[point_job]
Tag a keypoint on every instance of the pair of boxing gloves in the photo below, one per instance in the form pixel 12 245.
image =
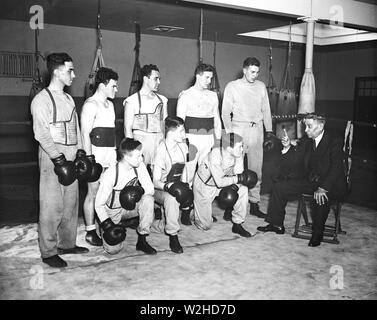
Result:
pixel 83 168
pixel 228 196
pixel 114 234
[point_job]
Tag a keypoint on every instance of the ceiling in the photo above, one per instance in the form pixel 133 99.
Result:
pixel 120 15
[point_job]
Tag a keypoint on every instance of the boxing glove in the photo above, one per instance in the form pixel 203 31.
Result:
pixel 270 142
pixel 113 234
pixel 181 192
pixel 248 178
pixel 65 170
pixel 83 165
pixel 129 196
pixel 187 201
pixel 96 169
pixel 228 196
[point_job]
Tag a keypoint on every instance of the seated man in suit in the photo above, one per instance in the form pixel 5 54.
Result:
pixel 314 166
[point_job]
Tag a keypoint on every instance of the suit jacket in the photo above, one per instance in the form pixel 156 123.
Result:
pixel 323 167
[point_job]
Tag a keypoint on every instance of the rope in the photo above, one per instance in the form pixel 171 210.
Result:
pixel 214 49
pixel 275 117
pixel 201 37
pixel 136 81
pixel 99 34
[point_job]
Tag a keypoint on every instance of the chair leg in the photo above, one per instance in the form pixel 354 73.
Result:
pixel 298 216
pixel 305 212
pixel 337 216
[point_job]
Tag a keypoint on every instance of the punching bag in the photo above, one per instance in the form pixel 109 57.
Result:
pixel 98 60
pixel 136 81
pixel 37 85
pixel 307 89
pixel 286 104
pixel 272 89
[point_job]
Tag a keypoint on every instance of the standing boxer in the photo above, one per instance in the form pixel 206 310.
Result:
pixel 98 137
pixel 125 190
pixel 199 108
pixel 247 101
pixel 56 128
pixel 144 113
pixel 170 179
pixel 222 174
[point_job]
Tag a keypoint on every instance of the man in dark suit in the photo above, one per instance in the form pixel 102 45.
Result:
pixel 315 166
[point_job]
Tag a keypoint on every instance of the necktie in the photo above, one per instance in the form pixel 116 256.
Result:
pixel 314 146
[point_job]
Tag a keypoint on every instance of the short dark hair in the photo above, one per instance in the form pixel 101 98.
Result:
pixel 146 70
pixel 104 75
pixel 128 145
pixel 202 67
pixel 319 116
pixel 251 61
pixel 173 123
pixel 55 60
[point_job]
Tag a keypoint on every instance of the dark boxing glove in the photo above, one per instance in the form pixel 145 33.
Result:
pixel 129 196
pixel 113 234
pixel 83 165
pixel 270 142
pixel 228 196
pixel 248 178
pixel 181 192
pixel 96 169
pixel 65 170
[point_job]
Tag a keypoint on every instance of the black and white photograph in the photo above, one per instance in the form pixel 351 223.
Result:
pixel 188 157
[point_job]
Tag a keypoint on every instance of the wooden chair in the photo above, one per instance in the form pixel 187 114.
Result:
pixel 304 231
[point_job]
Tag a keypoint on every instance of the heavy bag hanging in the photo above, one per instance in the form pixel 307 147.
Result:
pixel 272 89
pixel 37 85
pixel 136 81
pixel 307 89
pixel 98 60
pixel 287 104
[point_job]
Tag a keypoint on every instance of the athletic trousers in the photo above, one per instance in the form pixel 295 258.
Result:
pixel 58 213
pixel 252 134
pixel 203 198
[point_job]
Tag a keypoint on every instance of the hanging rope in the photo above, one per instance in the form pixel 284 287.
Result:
pixel 215 84
pixel 136 81
pixel 273 91
pixel 37 84
pixel 98 59
pixel 201 37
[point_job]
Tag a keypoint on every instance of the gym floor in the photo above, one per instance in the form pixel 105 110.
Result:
pixel 216 264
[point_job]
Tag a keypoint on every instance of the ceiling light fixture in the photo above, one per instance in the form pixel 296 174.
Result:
pixel 163 28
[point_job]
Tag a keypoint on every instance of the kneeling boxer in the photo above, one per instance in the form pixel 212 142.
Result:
pixel 222 174
pixel 125 189
pixel 170 179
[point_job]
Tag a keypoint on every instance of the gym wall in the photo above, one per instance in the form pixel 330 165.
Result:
pixel 175 57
